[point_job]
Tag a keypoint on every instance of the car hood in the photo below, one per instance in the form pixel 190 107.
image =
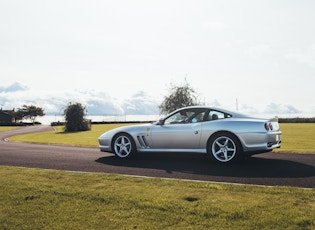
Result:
pixel 126 129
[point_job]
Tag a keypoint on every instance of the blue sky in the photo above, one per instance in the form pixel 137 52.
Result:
pixel 125 54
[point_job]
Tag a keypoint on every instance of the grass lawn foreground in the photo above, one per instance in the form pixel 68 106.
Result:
pixel 51 199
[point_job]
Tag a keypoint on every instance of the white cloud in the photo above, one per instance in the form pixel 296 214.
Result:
pixel 140 103
pixel 101 103
pixel 276 109
pixel 96 102
pixel 13 87
pixel 248 109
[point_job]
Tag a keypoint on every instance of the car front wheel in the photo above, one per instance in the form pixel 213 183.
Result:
pixel 124 146
pixel 224 148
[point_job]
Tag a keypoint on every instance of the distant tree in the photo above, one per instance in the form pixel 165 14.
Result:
pixel 75 118
pixel 180 96
pixel 29 112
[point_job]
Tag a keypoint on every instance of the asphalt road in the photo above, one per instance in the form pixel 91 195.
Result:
pixel 272 169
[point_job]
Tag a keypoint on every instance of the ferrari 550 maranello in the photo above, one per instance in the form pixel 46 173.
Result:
pixel 224 135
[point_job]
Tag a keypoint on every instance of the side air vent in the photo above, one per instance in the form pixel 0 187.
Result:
pixel 142 141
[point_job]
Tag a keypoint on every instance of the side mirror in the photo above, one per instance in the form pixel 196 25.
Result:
pixel 161 122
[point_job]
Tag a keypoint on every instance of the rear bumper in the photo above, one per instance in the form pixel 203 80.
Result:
pixel 274 140
pixel 262 142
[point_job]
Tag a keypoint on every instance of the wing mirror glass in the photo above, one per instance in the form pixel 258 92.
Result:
pixel 161 121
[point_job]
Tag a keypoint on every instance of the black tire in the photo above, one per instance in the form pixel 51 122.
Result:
pixel 225 148
pixel 124 146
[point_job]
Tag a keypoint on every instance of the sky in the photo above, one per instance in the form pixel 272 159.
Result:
pixel 123 56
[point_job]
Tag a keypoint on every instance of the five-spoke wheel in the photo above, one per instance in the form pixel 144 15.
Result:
pixel 124 146
pixel 224 147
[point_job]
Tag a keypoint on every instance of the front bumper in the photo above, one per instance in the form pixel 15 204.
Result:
pixel 104 145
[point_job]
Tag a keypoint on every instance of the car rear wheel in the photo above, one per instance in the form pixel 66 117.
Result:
pixel 224 148
pixel 124 146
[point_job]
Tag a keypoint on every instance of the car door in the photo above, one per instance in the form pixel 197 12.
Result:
pixel 179 136
pixel 181 130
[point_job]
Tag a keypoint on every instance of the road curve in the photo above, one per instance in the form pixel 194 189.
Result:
pixel 272 169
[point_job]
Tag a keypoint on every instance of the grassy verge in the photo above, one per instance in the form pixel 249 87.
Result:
pixel 7 128
pixel 86 138
pixel 297 137
pixel 41 199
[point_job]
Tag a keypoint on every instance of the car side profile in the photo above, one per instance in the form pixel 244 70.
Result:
pixel 224 135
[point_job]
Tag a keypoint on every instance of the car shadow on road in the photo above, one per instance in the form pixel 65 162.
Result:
pixel 199 164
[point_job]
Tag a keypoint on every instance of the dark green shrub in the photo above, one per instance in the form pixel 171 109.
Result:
pixel 75 118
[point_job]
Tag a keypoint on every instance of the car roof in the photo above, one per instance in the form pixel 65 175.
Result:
pixel 233 114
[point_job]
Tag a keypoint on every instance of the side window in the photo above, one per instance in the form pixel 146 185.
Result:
pixel 186 116
pixel 176 118
pixel 198 117
pixel 215 115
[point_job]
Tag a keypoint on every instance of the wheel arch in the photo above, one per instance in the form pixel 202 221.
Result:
pixel 120 133
pixel 222 132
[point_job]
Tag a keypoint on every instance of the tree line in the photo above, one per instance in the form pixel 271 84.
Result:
pixel 27 112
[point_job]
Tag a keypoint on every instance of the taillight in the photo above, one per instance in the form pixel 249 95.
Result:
pixel 268 126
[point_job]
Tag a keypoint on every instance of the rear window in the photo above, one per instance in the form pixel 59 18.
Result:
pixel 215 115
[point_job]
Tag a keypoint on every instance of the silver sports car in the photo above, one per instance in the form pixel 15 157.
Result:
pixel 224 135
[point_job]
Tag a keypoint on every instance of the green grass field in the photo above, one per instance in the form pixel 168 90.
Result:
pixel 297 137
pixel 49 199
